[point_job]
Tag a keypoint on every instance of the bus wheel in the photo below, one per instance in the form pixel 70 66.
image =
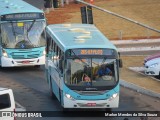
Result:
pixel 51 92
pixel 37 66
pixel 65 109
pixel 108 110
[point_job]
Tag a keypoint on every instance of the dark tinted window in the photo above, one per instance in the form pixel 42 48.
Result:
pixel 5 101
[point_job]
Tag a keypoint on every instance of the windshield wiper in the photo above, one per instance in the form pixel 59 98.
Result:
pixel 80 58
pixel 14 32
pixel 104 59
pixel 95 63
pixel 31 26
pixel 29 29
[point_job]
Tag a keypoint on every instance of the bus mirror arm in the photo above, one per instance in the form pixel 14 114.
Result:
pixel 119 54
pixel 120 60
pixel 120 63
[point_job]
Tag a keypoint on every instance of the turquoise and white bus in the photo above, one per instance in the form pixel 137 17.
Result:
pixel 75 56
pixel 22 36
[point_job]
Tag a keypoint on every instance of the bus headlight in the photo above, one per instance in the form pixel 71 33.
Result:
pixel 44 52
pixel 5 53
pixel 113 96
pixel 69 96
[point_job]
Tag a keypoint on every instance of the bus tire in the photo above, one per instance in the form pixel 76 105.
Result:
pixel 65 109
pixel 37 66
pixel 51 92
pixel 108 110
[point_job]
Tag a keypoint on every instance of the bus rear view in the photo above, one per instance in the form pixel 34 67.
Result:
pixel 82 67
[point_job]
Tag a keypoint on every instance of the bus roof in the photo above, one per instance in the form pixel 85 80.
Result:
pixel 16 6
pixel 69 36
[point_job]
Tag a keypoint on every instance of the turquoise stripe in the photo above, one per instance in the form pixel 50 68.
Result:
pixel 104 96
pixel 25 53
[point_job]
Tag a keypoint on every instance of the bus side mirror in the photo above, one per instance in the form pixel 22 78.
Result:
pixel 120 63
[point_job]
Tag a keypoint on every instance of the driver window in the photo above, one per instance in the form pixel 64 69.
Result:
pixel 56 56
pixel 61 61
pixel 47 47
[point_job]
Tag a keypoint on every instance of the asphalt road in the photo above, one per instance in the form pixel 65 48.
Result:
pixel 32 92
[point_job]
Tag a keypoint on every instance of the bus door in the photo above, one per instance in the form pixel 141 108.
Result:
pixel 55 75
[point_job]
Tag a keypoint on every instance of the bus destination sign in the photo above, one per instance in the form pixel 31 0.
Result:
pixel 85 52
pixel 91 52
pixel 22 16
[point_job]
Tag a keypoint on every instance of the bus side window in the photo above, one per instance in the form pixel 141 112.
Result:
pixel 56 56
pixel 54 47
pixel 0 36
pixel 43 34
pixel 0 32
pixel 54 51
pixel 48 44
pixel 61 61
pixel 57 51
pixel 47 47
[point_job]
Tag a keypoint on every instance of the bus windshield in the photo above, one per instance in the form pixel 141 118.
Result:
pixel 91 73
pixel 23 35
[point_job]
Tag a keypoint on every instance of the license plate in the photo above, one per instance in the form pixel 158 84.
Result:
pixel 25 62
pixel 91 104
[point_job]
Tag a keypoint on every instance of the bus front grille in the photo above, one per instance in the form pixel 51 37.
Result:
pixel 25 56
pixel 33 56
pixel 90 92
pixel 18 57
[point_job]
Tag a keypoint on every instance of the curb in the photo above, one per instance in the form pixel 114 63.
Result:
pixel 133 49
pixel 139 89
pixel 119 42
pixel 141 68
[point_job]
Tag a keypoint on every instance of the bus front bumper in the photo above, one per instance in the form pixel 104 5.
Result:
pixel 108 103
pixel 9 62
